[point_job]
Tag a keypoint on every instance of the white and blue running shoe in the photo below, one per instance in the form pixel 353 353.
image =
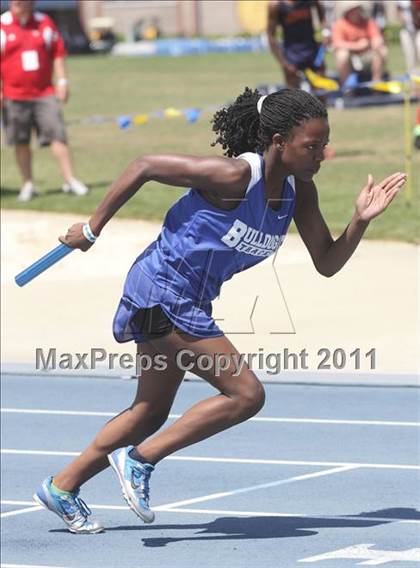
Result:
pixel 70 508
pixel 134 480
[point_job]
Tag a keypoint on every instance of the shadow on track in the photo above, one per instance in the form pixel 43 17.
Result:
pixel 234 528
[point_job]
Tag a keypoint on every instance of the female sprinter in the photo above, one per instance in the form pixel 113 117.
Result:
pixel 236 214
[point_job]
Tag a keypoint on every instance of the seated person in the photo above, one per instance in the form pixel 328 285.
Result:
pixel 358 43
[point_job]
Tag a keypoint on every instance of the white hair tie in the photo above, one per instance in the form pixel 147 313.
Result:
pixel 260 102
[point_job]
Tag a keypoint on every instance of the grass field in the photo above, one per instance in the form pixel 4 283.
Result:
pixel 366 140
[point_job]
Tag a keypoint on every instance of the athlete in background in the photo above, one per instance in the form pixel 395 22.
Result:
pixel 299 49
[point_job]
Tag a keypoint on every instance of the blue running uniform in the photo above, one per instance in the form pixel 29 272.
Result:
pixel 200 247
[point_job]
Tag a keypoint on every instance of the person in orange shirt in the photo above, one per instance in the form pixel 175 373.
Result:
pixel 357 42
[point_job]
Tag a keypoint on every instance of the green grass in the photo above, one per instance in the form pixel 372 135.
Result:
pixel 366 140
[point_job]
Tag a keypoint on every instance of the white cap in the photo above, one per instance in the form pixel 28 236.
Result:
pixel 345 6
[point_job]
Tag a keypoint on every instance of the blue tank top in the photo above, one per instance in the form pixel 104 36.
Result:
pixel 200 247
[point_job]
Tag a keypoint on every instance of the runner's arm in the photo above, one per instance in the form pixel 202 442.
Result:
pixel 328 255
pixel 224 176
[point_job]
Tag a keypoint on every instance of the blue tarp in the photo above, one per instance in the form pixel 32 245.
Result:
pixel 182 46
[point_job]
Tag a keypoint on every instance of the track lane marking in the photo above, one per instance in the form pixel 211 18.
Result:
pixel 2 565
pixel 239 513
pixel 284 420
pixel 10 451
pixel 259 486
pixel 21 511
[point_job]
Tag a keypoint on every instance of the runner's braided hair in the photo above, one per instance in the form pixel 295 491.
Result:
pixel 240 128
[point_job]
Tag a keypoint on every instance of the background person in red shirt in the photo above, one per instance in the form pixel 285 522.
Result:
pixel 32 50
pixel 357 41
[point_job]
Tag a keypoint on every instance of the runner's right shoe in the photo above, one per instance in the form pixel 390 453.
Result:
pixel 134 480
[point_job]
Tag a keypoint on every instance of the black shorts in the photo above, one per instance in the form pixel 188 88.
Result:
pixel 302 56
pixel 153 322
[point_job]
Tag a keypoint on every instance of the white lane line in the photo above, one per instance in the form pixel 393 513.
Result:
pixel 254 419
pixel 106 507
pixel 256 487
pixel 295 462
pixel 185 510
pixel 59 412
pixel 9 451
pixel 2 565
pixel 372 557
pixel 14 502
pixel 38 453
pixel 21 511
pixel 331 421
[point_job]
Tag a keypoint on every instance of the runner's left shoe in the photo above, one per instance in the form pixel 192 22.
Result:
pixel 70 508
